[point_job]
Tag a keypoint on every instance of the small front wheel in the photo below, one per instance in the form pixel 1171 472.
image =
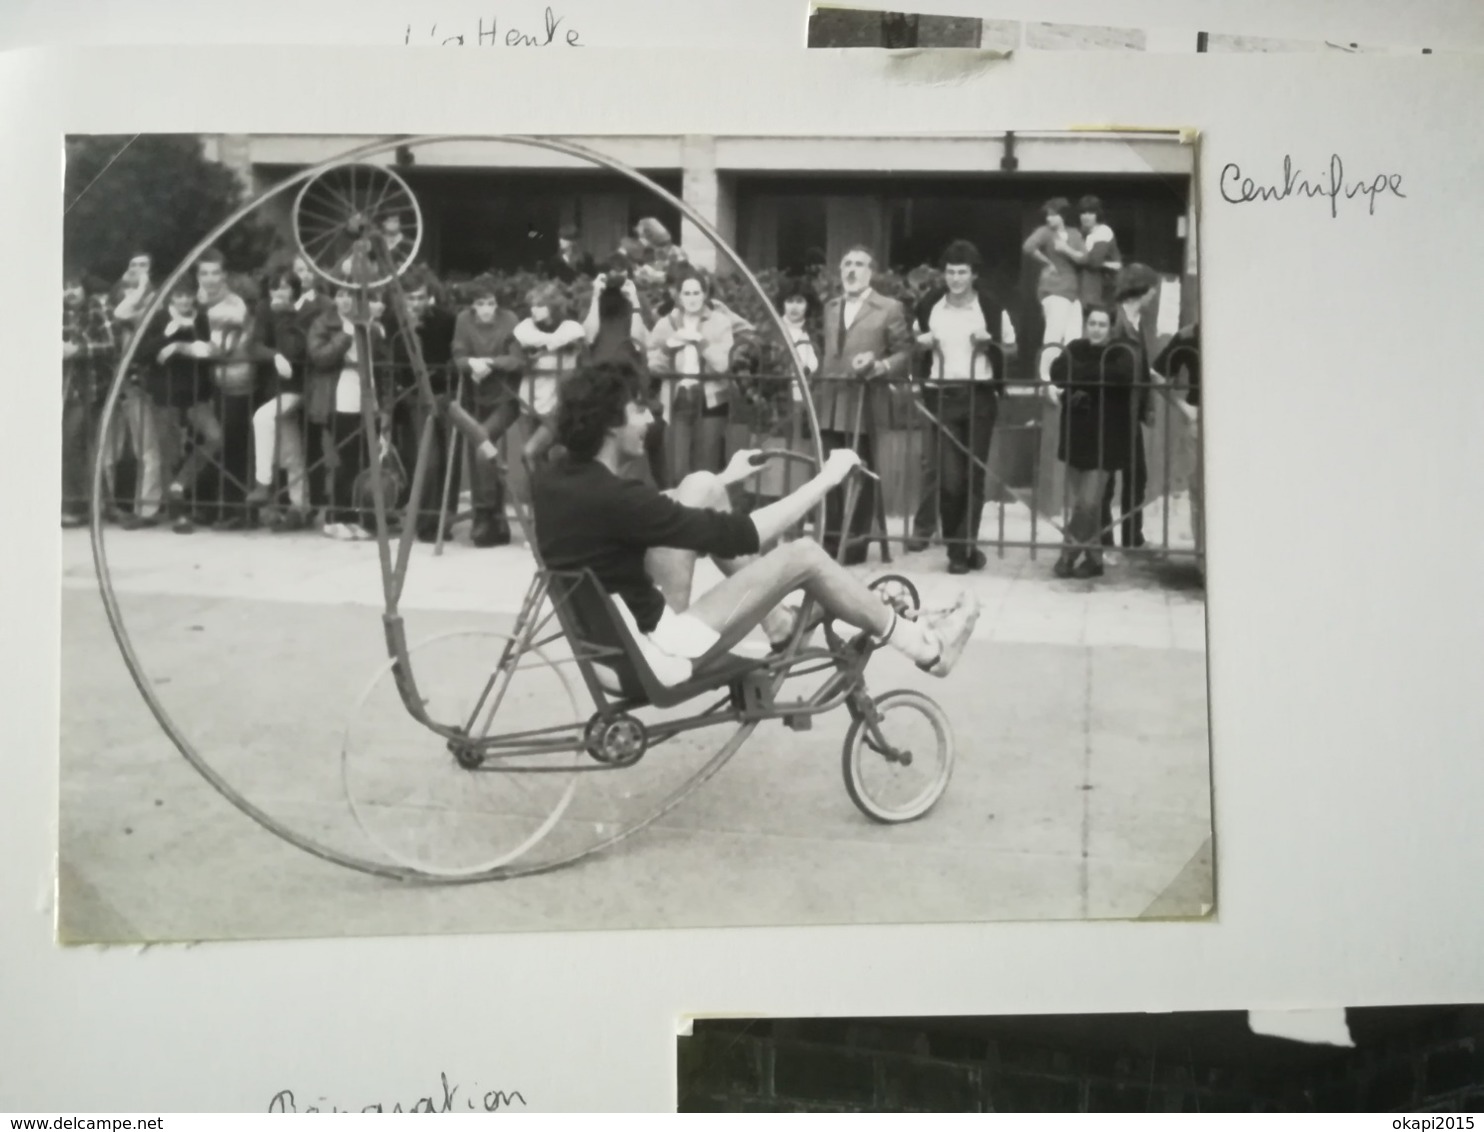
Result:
pixel 898 763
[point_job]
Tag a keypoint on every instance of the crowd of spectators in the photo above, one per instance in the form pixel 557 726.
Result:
pixel 243 402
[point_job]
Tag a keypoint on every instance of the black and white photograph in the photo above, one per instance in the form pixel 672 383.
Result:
pixel 543 533
pixel 1415 1058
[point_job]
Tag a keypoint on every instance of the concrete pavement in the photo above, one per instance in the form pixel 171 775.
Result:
pixel 1082 787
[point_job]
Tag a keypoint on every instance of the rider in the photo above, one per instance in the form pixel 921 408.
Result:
pixel 642 544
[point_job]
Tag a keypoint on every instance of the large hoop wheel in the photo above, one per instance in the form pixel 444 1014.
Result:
pixel 328 225
pixel 442 808
pixel 338 208
pixel 898 765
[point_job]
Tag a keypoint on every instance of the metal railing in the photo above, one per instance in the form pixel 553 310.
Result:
pixel 925 442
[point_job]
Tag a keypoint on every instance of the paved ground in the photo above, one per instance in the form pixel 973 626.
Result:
pixel 1081 790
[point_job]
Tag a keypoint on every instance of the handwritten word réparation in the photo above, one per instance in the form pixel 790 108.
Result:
pixel 551 34
pixel 489 1100
pixel 1237 189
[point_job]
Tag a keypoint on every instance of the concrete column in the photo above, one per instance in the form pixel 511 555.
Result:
pixel 712 194
pixel 235 152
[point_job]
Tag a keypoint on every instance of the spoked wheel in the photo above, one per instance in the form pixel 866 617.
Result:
pixel 343 205
pixel 898 765
pixel 446 807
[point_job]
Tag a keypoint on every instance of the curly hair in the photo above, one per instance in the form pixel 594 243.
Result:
pixel 594 400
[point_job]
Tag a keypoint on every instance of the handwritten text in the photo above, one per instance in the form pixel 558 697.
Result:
pixel 490 35
pixel 1237 189
pixel 491 1100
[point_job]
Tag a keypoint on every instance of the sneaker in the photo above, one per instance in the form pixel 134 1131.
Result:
pixel 953 628
pixel 359 533
pixel 338 531
pixel 1064 566
pixel 136 522
pixel 72 520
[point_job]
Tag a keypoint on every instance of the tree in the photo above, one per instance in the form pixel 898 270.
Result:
pixel 157 193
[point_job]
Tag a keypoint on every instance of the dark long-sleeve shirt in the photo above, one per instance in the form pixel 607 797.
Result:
pixel 588 518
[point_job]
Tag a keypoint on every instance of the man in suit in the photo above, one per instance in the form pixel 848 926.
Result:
pixel 866 344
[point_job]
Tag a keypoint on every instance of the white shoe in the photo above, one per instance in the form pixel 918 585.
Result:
pixel 953 628
pixel 338 531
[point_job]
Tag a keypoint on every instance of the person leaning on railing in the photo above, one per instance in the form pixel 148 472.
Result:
pixel 694 344
pixel 1096 377
pixel 334 399
pixel 281 348
pixel 965 337
pixel 1180 363
pixel 1134 324
pixel 432 326
pixel 88 343
pixel 554 345
pixel 175 346
pixel 488 354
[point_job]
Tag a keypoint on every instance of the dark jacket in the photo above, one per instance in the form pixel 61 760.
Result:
pixel 559 268
pixel 280 332
pixel 327 346
pixel 1098 403
pixel 435 340
pixel 1183 353
pixel 840 394
pixel 994 354
pixel 179 381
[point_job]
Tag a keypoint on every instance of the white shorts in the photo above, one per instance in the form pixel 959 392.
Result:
pixel 671 647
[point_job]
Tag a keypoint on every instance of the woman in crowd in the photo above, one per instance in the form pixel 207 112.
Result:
pixel 693 346
pixel 1058 288
pixel 1096 378
pixel 278 437
pixel 800 308
pixel 554 345
pixel 333 403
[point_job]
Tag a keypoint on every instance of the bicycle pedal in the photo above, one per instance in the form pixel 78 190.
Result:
pixel 800 722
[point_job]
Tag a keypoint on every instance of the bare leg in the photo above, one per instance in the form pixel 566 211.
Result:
pixel 674 570
pixel 740 603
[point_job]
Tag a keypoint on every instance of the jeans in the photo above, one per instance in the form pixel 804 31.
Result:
pixel 149 431
pixel 1133 481
pixel 967 416
pixel 79 426
pixel 1084 499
